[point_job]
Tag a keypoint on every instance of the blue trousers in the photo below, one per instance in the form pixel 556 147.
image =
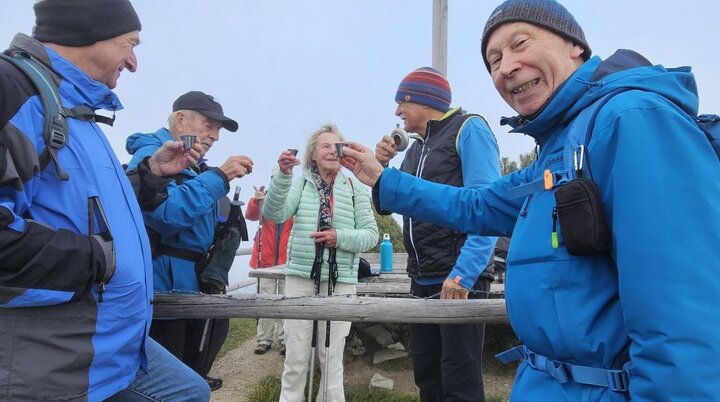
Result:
pixel 447 358
pixel 167 379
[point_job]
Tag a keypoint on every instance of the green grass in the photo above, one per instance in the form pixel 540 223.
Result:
pixel 268 390
pixel 241 329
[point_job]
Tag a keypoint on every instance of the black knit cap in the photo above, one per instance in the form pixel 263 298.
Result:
pixel 548 14
pixel 83 22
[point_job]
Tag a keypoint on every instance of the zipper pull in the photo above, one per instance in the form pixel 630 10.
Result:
pixel 554 228
pixel 100 290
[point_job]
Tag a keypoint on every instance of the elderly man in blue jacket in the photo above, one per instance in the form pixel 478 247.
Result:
pixel 630 311
pixel 75 278
pixel 185 222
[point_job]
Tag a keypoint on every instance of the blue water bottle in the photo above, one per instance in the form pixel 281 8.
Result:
pixel 386 254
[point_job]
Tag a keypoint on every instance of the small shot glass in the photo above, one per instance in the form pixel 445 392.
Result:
pixel 188 141
pixel 338 148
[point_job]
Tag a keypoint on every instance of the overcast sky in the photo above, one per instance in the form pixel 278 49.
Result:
pixel 283 68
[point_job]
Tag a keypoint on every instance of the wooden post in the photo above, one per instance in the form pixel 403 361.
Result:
pixel 337 308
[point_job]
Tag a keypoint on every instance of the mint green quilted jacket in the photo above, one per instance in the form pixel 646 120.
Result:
pixel 356 229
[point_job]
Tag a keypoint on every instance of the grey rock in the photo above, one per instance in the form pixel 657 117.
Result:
pixel 378 381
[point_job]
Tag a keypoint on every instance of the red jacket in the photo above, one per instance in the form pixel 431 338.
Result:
pixel 271 244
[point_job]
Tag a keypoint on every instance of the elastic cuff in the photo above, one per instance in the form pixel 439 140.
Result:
pixel 223 177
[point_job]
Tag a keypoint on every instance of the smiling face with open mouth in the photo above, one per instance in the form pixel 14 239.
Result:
pixel 528 63
pixel 107 59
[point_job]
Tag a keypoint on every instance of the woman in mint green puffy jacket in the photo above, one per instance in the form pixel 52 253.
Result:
pixel 329 208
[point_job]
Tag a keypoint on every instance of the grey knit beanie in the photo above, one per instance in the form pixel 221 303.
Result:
pixel 548 14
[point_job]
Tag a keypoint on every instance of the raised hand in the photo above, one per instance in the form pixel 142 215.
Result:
pixel 171 158
pixel 362 163
pixel 260 193
pixel 287 161
pixel 237 166
pixel 385 150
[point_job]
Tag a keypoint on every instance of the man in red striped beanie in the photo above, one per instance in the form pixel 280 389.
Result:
pixel 458 149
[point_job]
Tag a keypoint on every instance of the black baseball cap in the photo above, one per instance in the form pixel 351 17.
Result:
pixel 207 105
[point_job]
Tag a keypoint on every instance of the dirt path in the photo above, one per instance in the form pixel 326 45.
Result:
pixel 241 369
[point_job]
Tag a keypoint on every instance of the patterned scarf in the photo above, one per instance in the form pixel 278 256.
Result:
pixel 325 192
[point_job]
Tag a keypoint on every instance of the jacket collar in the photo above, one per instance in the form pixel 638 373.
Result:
pixel 83 89
pixel 434 126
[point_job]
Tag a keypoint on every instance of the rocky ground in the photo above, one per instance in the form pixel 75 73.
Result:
pixel 241 370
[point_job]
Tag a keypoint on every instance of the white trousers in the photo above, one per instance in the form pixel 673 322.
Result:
pixel 298 338
pixel 266 326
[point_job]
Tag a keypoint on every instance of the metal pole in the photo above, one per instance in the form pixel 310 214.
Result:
pixel 439 35
pixel 332 279
pixel 315 275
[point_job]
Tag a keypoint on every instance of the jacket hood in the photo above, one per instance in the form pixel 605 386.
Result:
pixel 86 91
pixel 139 140
pixel 596 78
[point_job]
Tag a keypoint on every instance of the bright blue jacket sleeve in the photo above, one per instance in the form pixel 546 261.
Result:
pixel 186 203
pixel 482 211
pixel 480 157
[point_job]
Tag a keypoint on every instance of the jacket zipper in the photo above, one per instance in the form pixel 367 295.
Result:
pixel 418 173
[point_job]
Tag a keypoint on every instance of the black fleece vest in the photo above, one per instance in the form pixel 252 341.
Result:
pixel 432 250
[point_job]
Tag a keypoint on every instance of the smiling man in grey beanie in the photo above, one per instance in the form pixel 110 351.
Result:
pixel 76 275
pixel 599 285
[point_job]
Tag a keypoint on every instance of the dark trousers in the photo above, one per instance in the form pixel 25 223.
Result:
pixel 447 358
pixel 182 338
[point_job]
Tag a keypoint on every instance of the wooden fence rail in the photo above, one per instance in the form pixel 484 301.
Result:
pixel 335 308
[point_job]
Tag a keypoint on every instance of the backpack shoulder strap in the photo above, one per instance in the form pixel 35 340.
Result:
pixel 710 125
pixel 55 128
pixel 575 154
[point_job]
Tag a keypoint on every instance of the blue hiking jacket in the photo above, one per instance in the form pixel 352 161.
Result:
pixel 654 297
pixel 58 341
pixel 187 218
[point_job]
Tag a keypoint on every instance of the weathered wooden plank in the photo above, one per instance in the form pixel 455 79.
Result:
pixel 336 308
pixel 395 283
pixel 240 285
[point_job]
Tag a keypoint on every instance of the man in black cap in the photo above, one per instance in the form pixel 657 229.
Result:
pixel 75 278
pixel 185 223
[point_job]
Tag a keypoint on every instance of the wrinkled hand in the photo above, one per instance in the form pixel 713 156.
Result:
pixel 260 193
pixel 171 158
pixel 452 290
pixel 237 166
pixel 385 150
pixel 287 161
pixel 329 237
pixel 362 163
